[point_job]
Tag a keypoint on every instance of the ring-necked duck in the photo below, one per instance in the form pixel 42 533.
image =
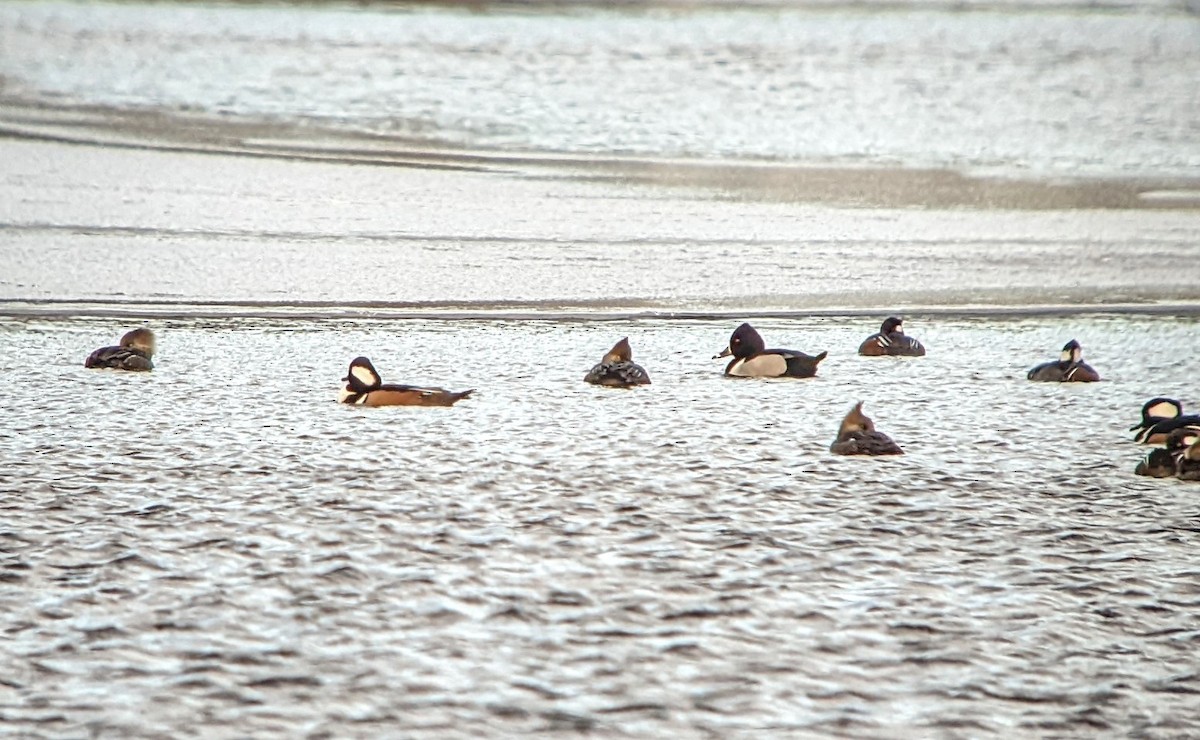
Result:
pixel 364 387
pixel 617 368
pixel 751 359
pixel 1161 416
pixel 1070 367
pixel 133 353
pixel 891 341
pixel 857 436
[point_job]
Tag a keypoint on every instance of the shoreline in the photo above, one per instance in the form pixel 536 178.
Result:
pixel 57 311
pixel 844 184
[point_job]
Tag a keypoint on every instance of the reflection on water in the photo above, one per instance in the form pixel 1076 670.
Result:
pixel 219 544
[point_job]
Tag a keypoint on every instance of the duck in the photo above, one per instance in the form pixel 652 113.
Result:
pixel 891 341
pixel 617 368
pixel 1184 446
pixel 857 436
pixel 1070 367
pixel 364 387
pixel 133 353
pixel 1157 464
pixel 751 359
pixel 1161 416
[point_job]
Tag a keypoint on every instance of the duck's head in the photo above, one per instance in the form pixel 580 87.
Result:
pixel 856 421
pixel 1071 352
pixel 140 339
pixel 892 324
pixel 744 342
pixel 1157 409
pixel 1182 441
pixel 362 376
pixel 620 352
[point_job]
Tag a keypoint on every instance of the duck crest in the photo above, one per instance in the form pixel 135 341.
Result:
pixel 362 376
pixel 617 368
pixel 620 352
pixel 1161 416
pixel 857 436
pixel 364 387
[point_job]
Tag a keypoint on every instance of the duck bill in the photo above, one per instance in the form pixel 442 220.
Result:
pixel 724 353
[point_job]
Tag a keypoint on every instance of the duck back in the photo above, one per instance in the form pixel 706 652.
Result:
pixel 618 375
pixel 119 358
pixel 865 443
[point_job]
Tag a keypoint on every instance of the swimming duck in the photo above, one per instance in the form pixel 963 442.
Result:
pixel 891 341
pixel 1184 446
pixel 751 359
pixel 857 436
pixel 1070 367
pixel 1157 464
pixel 617 368
pixel 364 387
pixel 133 353
pixel 1161 416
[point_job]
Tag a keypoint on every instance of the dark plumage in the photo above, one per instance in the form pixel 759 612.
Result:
pixel 364 387
pixel 857 436
pixel 1158 463
pixel 1070 368
pixel 1160 417
pixel 751 359
pixel 1184 447
pixel 891 340
pixel 133 353
pixel 617 369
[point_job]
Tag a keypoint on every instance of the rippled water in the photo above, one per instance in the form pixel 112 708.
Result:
pixel 219 547
pixel 1015 86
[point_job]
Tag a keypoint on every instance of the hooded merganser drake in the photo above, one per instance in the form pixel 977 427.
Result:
pixel 751 359
pixel 1161 416
pixel 1184 446
pixel 617 369
pixel 891 341
pixel 857 436
pixel 364 387
pixel 1070 367
pixel 133 353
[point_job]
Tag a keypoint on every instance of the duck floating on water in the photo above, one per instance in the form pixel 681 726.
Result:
pixel 617 368
pixel 891 340
pixel 1160 417
pixel 1180 457
pixel 364 387
pixel 857 436
pixel 751 358
pixel 133 353
pixel 1070 367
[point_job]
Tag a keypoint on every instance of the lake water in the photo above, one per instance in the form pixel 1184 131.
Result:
pixel 489 197
pixel 220 545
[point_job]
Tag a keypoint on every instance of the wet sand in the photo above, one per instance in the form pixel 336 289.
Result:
pixel 155 228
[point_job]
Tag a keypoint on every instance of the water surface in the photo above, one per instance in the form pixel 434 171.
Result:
pixel 220 545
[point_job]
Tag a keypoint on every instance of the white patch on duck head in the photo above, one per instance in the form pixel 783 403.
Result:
pixel 1163 410
pixel 366 375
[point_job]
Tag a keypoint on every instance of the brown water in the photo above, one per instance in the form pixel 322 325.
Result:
pixel 218 547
